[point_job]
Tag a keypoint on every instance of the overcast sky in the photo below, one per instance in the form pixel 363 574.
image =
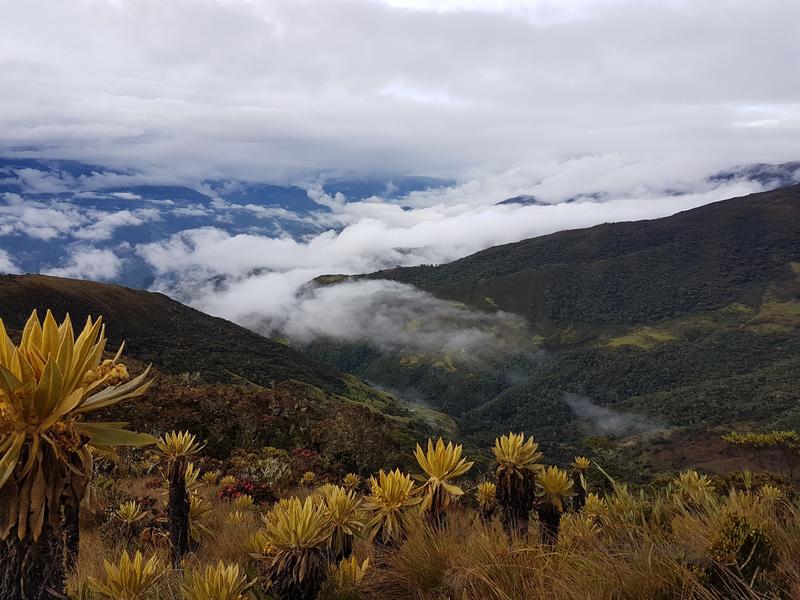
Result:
pixel 281 88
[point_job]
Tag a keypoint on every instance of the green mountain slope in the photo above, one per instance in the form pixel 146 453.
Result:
pixel 688 324
pixel 160 330
pixel 630 273
pixel 231 386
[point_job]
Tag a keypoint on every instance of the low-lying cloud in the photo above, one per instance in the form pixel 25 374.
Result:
pixel 257 278
pixel 605 420
pixel 253 278
pixel 89 263
pixel 397 318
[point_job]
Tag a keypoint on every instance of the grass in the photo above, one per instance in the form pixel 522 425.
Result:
pixel 644 338
pixel 776 317
pixel 673 541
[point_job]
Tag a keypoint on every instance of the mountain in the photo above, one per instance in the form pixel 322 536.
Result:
pixel 156 329
pixel 630 273
pixel 664 333
pixel 232 386
pixel 768 175
pixel 523 200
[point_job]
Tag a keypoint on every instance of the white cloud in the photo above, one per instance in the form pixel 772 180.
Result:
pixel 35 181
pixel 191 211
pixel 126 196
pixel 106 223
pixel 290 88
pixel 253 279
pixel 394 317
pixel 39 220
pixel 7 264
pixel 52 219
pixel 89 263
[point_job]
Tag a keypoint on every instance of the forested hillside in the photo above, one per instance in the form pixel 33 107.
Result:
pixel 687 323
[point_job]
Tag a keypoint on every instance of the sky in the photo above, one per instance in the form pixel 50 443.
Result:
pixel 626 105
pixel 282 88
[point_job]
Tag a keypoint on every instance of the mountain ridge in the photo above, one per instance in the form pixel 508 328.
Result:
pixel 707 235
pixel 127 310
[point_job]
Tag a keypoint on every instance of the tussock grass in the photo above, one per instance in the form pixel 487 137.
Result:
pixel 687 540
pixel 651 549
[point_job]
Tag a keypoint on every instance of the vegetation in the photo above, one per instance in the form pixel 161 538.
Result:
pixel 129 579
pixel 580 466
pixel 393 506
pixel 554 489
pixel 176 448
pixel 687 323
pixel 47 384
pixel 220 582
pixel 515 472
pixel 442 464
pixel 692 537
pixel 487 499
pixel 298 534
pixel 342 509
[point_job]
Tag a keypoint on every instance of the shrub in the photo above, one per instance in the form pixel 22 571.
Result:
pixel 441 464
pixel 299 534
pixel 128 579
pixel 393 506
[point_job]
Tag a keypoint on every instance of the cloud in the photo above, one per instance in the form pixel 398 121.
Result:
pixel 480 86
pixel 126 196
pixel 258 281
pixel 106 223
pixel 48 220
pixel 89 263
pixel 7 265
pixel 39 220
pixel 374 234
pixel 606 420
pixel 43 182
pixel 391 316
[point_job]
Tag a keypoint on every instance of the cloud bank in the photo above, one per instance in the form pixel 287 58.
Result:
pixel 280 89
pixel 259 281
pixel 375 235
pixel 396 318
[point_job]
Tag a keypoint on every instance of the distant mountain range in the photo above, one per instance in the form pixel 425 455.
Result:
pixel 770 176
pixel 50 210
pixel 48 207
